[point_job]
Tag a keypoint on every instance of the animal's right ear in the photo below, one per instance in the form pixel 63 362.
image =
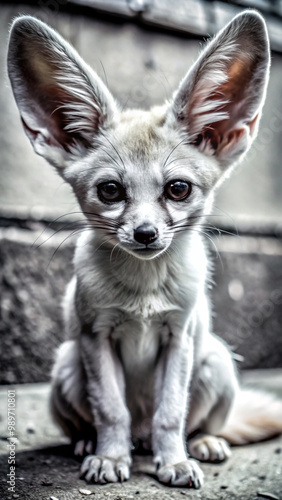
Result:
pixel 62 102
pixel 219 102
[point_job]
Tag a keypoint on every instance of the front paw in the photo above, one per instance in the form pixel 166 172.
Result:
pixel 186 473
pixel 102 470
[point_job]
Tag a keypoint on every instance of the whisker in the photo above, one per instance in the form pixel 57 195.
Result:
pixel 229 217
pixel 177 159
pixel 62 242
pixel 105 76
pixel 206 235
pixel 115 149
pixel 168 84
pixel 200 228
pixel 110 156
pixel 215 247
pixel 172 151
pixel 55 221
pixel 124 104
pixel 88 222
pixel 63 228
pixel 113 249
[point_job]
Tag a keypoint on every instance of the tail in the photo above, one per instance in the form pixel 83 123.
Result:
pixel 255 416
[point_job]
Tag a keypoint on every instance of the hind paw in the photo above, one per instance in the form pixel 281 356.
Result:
pixel 186 473
pixel 209 448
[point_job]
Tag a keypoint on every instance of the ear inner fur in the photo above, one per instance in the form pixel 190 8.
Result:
pixel 219 101
pixel 63 103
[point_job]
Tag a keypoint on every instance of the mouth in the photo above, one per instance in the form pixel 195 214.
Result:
pixel 144 253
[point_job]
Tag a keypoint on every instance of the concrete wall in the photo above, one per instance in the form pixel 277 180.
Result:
pixel 247 298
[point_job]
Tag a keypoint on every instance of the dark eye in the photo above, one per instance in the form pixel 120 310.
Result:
pixel 178 190
pixel 111 191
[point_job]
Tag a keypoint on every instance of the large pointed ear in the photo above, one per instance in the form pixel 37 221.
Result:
pixel 219 102
pixel 62 102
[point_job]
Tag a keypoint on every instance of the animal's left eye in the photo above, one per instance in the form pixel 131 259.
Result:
pixel 110 192
pixel 178 190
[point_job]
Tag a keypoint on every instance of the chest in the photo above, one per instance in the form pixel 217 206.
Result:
pixel 139 340
pixel 137 302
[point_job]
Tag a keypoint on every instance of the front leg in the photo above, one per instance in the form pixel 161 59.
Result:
pixel 171 402
pixel 106 395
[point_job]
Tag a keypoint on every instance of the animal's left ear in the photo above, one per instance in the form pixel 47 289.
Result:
pixel 219 102
pixel 63 103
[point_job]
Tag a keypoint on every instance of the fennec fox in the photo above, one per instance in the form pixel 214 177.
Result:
pixel 141 361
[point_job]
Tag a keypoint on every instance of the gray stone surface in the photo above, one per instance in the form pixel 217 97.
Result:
pixel 46 468
pixel 32 282
pixel 247 299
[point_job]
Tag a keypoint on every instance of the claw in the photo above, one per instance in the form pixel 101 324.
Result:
pixel 104 470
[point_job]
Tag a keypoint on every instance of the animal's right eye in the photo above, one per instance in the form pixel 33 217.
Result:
pixel 178 190
pixel 111 192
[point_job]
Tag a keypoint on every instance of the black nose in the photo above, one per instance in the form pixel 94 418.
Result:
pixel 145 234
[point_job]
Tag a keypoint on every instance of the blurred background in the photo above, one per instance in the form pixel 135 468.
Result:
pixel 141 49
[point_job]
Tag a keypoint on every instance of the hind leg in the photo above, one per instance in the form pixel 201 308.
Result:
pixel 69 403
pixel 213 388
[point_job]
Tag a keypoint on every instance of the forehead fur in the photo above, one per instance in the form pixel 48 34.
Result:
pixel 141 129
pixel 148 140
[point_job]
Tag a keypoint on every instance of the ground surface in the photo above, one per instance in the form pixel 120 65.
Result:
pixel 46 470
